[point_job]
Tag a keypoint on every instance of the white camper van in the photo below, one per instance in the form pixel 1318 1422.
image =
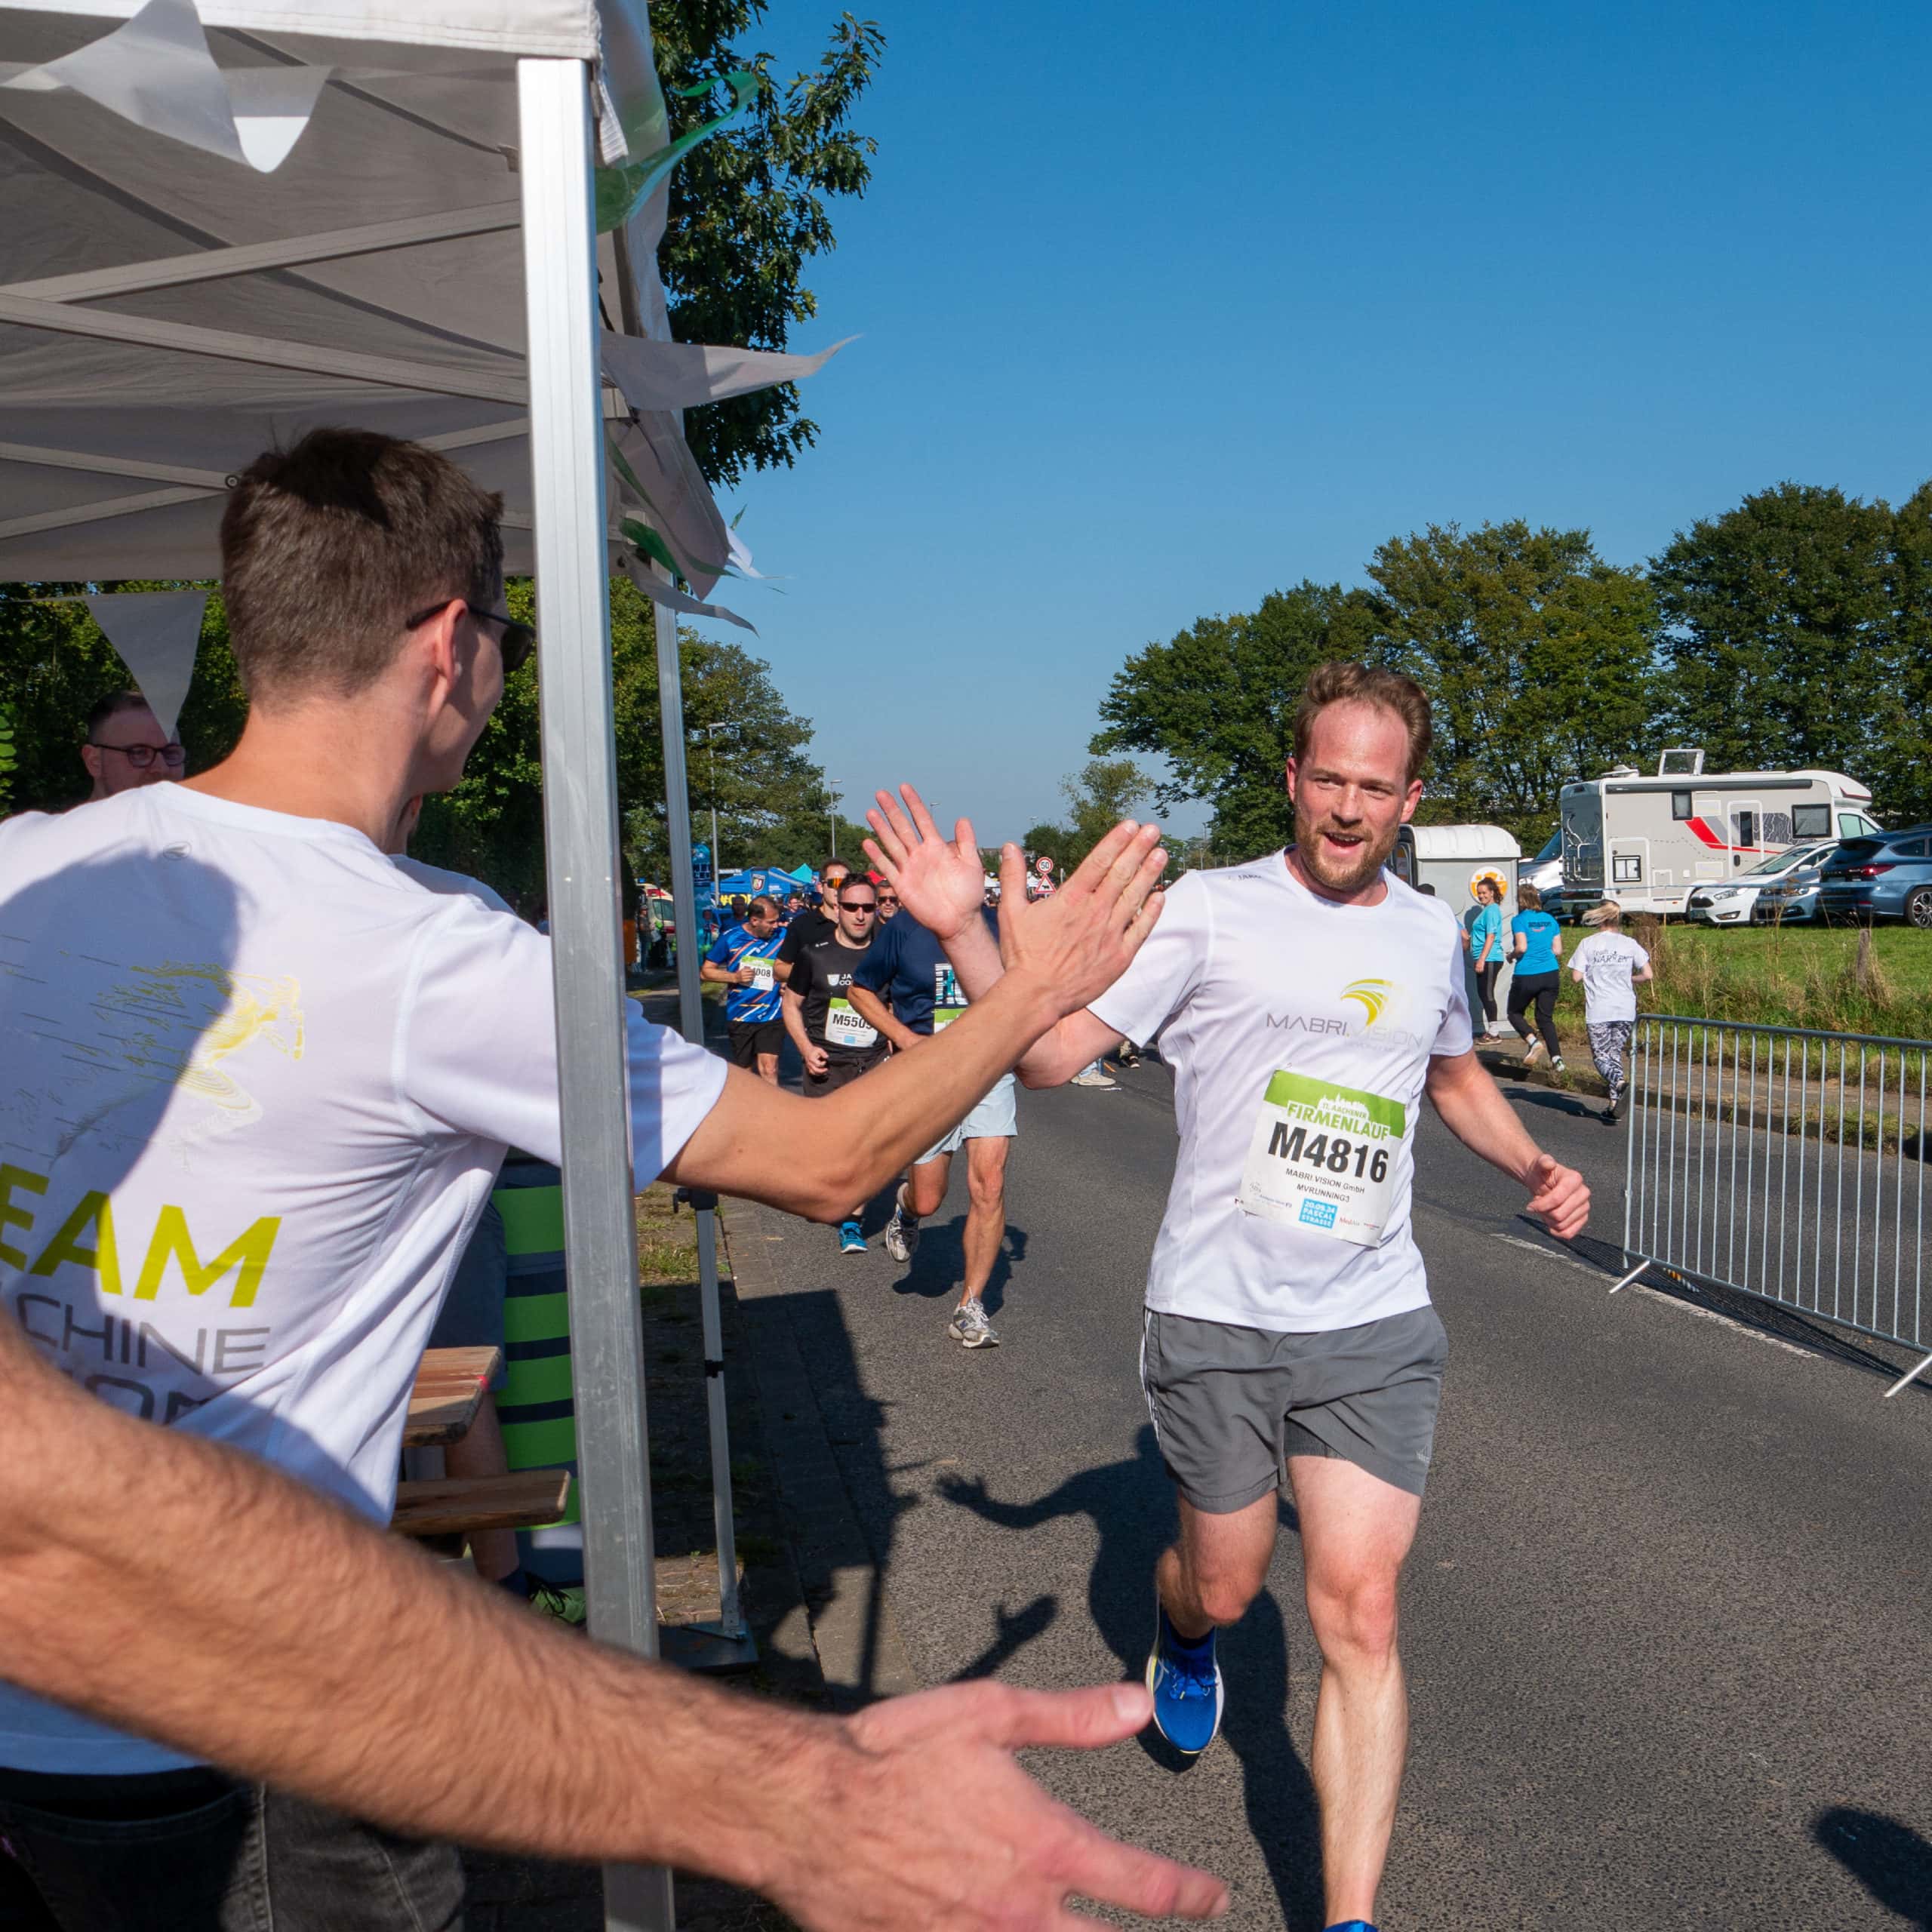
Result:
pixel 1647 841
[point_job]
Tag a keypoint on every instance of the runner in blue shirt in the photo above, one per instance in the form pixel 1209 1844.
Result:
pixel 1537 942
pixel 742 960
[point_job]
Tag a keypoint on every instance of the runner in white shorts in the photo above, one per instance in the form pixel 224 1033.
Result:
pixel 1306 1002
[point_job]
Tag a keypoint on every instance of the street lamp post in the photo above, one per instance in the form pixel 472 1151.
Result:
pixel 834 794
pixel 711 745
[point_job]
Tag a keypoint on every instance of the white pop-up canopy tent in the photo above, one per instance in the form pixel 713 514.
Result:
pixel 221 226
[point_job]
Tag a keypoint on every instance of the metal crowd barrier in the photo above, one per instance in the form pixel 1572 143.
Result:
pixel 1784 1164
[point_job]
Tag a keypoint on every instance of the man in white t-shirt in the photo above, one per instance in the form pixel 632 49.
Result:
pixel 1306 1002
pixel 258 1079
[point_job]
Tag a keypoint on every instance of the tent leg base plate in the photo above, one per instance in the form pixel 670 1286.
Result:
pixel 705 1647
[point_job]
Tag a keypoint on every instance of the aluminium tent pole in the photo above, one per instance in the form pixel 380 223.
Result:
pixel 580 835
pixel 691 1005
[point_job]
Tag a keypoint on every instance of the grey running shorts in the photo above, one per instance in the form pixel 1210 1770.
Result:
pixel 1231 1405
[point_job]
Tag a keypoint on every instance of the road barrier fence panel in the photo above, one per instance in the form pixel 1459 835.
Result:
pixel 1786 1164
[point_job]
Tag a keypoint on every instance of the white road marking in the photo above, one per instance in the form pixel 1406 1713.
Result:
pixel 1667 1301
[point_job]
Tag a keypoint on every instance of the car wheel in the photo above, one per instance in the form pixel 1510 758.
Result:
pixel 1918 909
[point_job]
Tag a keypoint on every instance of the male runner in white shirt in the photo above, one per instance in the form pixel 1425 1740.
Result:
pixel 1305 1001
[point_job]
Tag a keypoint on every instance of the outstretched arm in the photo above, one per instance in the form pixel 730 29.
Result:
pixel 490 1726
pixel 1061 952
pixel 1473 1108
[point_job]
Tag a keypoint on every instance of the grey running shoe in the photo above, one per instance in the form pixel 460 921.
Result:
pixel 1530 1051
pixel 969 1327
pixel 1091 1078
pixel 900 1235
pixel 1619 1104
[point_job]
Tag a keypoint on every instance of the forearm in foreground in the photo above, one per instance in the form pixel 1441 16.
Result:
pixel 240 1618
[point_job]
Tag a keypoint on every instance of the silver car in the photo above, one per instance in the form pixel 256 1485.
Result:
pixel 1793 899
pixel 1735 903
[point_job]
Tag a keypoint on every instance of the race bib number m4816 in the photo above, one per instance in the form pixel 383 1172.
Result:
pixel 1324 1158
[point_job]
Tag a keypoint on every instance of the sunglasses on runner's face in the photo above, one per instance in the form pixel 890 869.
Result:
pixel 867 906
pixel 516 641
pixel 141 756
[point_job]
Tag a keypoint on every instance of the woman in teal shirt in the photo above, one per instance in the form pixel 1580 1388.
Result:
pixel 1538 941
pixel 1485 944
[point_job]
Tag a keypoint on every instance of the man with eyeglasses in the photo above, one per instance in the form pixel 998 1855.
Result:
pixel 258 1081
pixel 125 747
pixel 835 1042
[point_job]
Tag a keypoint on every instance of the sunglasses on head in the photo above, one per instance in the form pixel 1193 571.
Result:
pixel 515 643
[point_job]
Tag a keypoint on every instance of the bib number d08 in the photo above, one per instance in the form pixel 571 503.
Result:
pixel 1324 1158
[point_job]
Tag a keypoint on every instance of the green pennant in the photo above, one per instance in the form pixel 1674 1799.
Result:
pixel 623 190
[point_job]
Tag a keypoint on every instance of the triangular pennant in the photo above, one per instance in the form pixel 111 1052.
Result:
pixel 157 633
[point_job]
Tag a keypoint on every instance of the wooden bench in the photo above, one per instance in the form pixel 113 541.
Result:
pixel 449 1389
pixel 456 1505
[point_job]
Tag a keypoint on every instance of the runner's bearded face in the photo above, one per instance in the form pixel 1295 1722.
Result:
pixel 1351 795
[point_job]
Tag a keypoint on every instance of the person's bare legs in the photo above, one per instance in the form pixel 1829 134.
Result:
pixel 986 1211
pixel 1355 1532
pixel 924 1188
pixel 1216 1568
pixel 480 1453
pixel 768 1068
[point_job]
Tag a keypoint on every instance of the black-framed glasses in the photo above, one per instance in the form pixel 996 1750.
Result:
pixel 518 639
pixel 142 757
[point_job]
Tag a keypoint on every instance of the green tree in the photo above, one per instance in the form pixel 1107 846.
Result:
pixel 1217 702
pixel 748 207
pixel 1537 657
pixel 1900 772
pixel 1778 632
pixel 1099 795
pixel 1053 840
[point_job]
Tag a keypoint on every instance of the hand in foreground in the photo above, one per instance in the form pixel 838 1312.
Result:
pixel 873 1859
pixel 1080 941
pixel 941 882
pixel 1559 1198
pixel 817 1060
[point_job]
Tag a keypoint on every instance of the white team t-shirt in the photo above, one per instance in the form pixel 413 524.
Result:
pixel 1607 961
pixel 257 1081
pixel 1299 1032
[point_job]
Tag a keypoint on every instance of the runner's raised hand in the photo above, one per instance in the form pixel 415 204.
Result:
pixel 873 1860
pixel 941 882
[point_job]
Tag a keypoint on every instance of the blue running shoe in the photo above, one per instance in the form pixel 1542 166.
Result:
pixel 850 1240
pixel 1186 1682
pixel 1353 1925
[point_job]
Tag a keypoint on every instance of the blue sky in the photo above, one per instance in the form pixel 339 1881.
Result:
pixel 1164 307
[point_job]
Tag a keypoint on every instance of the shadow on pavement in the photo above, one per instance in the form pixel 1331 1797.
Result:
pixel 1131 1504
pixel 1890 1860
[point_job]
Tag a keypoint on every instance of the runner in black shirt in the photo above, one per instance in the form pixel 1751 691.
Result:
pixel 834 1043
pixel 814 926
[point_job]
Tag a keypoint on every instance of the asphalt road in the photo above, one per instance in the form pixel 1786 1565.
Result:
pixel 1665 1623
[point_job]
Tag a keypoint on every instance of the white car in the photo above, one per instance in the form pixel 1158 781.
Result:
pixel 1545 872
pixel 1731 905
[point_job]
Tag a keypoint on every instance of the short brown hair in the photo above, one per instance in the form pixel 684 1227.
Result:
pixel 1343 682
pixel 328 548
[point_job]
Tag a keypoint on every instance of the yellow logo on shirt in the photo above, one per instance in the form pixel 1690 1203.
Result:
pixel 1372 995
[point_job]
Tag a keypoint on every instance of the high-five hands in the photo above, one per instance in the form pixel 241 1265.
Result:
pixel 1559 1197
pixel 1077 942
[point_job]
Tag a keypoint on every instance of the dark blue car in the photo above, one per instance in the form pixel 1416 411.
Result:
pixel 1888 876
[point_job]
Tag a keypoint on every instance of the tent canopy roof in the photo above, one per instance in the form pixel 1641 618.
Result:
pixel 166 313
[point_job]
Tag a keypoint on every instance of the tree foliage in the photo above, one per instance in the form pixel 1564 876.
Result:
pixel 748 207
pixel 1537 656
pixel 1797 630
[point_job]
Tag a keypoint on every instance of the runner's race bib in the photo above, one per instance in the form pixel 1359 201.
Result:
pixel 763 978
pixel 844 1028
pixel 1323 1157
pixel 948 1002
